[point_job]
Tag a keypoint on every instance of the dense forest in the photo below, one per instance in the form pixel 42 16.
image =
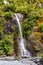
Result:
pixel 32 26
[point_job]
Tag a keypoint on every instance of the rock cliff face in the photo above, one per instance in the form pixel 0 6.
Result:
pixel 12 22
pixel 35 40
pixel 34 44
pixel 8 28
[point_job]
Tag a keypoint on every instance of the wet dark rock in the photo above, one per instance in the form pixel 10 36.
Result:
pixel 30 43
pixel 29 47
pixel 20 16
pixel 0 37
pixel 37 60
pixel 8 24
pixel 41 62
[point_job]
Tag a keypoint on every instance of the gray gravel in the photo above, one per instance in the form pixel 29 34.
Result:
pixel 22 62
pixel 10 63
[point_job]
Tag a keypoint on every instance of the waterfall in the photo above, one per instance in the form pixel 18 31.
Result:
pixel 24 52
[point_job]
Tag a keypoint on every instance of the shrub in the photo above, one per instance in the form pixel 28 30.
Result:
pixel 8 15
pixel 42 35
pixel 41 27
pixel 37 37
pixel 1 48
pixel 27 27
pixel 10 7
pixel 36 49
pixel 7 45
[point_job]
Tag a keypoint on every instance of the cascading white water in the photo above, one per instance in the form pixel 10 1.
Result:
pixel 24 52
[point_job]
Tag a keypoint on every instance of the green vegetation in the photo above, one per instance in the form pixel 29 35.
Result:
pixel 41 55
pixel 32 11
pixel 36 49
pixel 41 28
pixel 6 46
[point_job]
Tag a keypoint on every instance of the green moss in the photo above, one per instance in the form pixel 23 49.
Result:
pixel 8 15
pixel 41 55
pixel 36 48
pixel 9 7
pixel 41 27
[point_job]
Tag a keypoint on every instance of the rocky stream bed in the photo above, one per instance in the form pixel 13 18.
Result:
pixel 22 61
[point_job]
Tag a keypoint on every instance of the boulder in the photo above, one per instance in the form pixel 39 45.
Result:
pixel 34 44
pixel 29 47
pixel 20 16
